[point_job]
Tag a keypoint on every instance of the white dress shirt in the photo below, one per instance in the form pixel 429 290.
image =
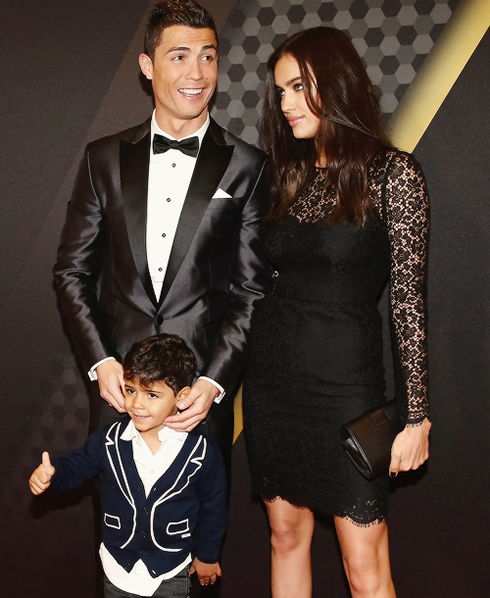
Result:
pixel 150 468
pixel 168 181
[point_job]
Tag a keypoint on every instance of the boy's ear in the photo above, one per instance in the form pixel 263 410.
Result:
pixel 183 392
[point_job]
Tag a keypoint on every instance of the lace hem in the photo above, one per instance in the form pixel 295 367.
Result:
pixel 357 524
pixel 357 515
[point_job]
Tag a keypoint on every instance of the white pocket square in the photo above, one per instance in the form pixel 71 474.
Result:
pixel 221 194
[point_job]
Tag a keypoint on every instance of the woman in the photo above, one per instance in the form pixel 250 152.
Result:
pixel 348 213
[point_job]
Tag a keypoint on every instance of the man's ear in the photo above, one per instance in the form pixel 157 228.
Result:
pixel 146 65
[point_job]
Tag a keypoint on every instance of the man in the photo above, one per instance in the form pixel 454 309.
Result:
pixel 159 240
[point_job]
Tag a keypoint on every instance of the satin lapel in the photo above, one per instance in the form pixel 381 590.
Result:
pixel 211 164
pixel 135 163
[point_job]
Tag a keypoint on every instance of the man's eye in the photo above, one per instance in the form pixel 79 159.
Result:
pixel 208 58
pixel 178 58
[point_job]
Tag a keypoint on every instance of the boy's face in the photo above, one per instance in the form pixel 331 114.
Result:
pixel 148 407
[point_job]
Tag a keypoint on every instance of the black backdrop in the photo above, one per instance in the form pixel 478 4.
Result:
pixel 69 74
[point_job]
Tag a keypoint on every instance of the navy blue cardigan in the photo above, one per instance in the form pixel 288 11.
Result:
pixel 184 513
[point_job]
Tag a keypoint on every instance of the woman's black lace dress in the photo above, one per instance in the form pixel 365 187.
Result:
pixel 315 353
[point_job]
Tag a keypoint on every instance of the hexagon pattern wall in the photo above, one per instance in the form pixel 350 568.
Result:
pixel 392 36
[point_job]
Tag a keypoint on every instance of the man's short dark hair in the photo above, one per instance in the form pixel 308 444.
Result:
pixel 161 358
pixel 175 12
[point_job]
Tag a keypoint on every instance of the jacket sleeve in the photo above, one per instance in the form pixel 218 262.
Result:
pixel 250 280
pixel 211 490
pixel 78 466
pixel 77 270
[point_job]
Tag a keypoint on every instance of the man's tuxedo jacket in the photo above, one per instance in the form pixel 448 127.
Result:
pixel 159 528
pixel 216 273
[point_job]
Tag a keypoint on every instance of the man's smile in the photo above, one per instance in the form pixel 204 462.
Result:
pixel 191 91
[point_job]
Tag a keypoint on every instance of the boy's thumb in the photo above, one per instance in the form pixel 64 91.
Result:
pixel 46 462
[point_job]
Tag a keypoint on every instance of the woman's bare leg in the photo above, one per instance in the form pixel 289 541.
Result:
pixel 366 559
pixel 291 536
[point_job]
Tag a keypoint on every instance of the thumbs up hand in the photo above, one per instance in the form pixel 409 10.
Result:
pixel 41 477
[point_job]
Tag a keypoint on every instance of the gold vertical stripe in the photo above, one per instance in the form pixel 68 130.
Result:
pixel 439 72
pixel 237 409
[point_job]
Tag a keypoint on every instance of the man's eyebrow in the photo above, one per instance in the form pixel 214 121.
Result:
pixel 187 49
pixel 179 49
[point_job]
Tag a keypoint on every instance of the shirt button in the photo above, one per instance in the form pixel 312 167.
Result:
pixel 152 472
pixel 168 199
pixel 160 269
pixel 164 235
pixel 174 165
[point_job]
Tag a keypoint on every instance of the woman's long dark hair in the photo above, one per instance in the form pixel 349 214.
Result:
pixel 351 131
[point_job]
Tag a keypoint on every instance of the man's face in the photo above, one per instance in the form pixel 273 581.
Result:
pixel 184 75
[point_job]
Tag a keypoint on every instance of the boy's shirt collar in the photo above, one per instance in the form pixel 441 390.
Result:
pixel 131 432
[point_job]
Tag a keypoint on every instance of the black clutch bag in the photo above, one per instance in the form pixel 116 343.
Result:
pixel 367 440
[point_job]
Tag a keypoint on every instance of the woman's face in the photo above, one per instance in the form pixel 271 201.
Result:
pixel 290 88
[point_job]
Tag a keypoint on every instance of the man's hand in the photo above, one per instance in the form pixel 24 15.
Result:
pixel 195 407
pixel 111 383
pixel 410 448
pixel 41 477
pixel 207 573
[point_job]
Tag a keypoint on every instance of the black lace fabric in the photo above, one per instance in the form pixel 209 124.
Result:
pixel 399 194
pixel 315 354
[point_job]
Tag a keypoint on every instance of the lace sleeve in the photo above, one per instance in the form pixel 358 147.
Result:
pixel 407 217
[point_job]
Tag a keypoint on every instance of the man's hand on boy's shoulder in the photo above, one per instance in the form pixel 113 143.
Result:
pixel 42 475
pixel 195 407
pixel 110 375
pixel 206 572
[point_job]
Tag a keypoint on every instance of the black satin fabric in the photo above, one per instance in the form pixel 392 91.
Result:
pixel 216 274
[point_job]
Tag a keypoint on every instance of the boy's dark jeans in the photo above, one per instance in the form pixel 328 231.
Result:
pixel 175 587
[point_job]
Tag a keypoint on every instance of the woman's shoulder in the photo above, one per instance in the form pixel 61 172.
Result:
pixel 392 160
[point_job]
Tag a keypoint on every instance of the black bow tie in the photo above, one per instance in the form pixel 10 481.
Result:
pixel 189 146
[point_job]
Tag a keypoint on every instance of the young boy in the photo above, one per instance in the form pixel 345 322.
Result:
pixel 163 491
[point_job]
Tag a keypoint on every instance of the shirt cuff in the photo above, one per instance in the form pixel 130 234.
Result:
pixel 92 374
pixel 221 395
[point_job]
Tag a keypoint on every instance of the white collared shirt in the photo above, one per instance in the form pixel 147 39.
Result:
pixel 150 468
pixel 168 182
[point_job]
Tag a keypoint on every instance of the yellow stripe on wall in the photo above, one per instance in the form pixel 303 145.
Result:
pixel 434 81
pixel 237 408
